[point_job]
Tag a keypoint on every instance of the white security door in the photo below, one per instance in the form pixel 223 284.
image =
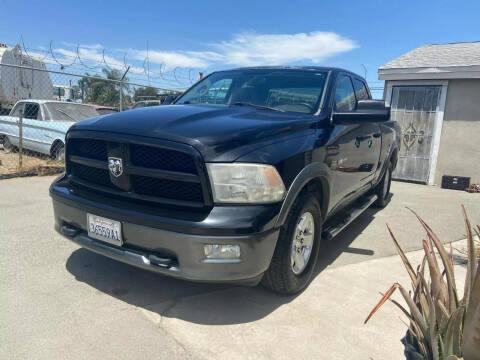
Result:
pixel 415 109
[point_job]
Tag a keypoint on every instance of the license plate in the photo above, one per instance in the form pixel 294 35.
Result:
pixel 104 229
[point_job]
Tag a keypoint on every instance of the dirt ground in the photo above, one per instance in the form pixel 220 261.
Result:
pixel 9 162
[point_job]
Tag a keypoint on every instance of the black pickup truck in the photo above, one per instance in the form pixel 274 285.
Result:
pixel 238 181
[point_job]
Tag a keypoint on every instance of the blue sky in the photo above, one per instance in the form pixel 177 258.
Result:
pixel 192 36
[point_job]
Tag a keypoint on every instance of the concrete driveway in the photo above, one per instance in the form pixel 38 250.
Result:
pixel 61 301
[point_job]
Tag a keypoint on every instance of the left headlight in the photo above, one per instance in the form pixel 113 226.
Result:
pixel 245 183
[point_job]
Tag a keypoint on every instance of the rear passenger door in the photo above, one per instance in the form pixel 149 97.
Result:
pixel 353 149
pixel 372 137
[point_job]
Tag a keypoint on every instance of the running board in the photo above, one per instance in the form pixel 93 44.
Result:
pixel 351 215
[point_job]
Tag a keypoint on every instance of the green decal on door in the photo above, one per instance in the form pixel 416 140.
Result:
pixel 370 143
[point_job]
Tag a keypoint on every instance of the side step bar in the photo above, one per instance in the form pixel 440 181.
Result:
pixel 351 215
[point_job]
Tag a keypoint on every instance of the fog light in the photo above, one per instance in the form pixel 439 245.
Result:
pixel 222 251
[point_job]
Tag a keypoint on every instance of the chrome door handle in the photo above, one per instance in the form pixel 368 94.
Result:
pixel 363 138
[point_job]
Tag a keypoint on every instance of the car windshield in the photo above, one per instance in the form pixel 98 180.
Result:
pixel 265 89
pixel 69 111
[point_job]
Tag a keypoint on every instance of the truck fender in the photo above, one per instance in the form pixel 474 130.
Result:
pixel 392 153
pixel 313 171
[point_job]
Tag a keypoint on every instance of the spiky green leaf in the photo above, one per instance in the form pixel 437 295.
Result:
pixel 452 288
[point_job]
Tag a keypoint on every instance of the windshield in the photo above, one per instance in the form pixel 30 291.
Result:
pixel 270 89
pixel 69 111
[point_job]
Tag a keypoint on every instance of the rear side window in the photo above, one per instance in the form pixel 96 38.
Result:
pixel 31 111
pixel 344 94
pixel 360 90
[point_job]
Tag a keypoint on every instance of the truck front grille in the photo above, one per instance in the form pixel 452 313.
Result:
pixel 167 173
pixel 89 148
pixel 167 188
pixel 91 174
pixel 156 158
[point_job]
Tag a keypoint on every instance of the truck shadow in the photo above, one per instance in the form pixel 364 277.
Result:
pixel 208 304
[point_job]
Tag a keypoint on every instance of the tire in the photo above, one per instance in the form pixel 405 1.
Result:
pixel 7 144
pixel 285 275
pixel 382 190
pixel 59 152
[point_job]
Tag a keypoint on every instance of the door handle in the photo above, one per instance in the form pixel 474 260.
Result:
pixel 333 150
pixel 363 138
pixel 377 135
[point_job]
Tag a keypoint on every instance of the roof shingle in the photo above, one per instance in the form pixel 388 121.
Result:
pixel 440 55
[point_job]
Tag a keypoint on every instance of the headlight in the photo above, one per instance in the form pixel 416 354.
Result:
pixel 245 183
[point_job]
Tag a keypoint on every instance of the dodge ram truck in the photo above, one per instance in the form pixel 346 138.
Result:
pixel 238 181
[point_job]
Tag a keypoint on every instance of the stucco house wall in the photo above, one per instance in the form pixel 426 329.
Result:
pixel 456 136
pixel 459 152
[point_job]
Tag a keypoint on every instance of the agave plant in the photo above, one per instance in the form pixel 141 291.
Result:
pixel 442 326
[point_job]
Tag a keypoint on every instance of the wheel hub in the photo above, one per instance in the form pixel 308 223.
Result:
pixel 302 243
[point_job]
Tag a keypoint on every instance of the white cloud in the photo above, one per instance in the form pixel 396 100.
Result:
pixel 244 49
pixel 173 59
pixel 250 49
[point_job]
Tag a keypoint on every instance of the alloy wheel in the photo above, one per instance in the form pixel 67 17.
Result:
pixel 302 243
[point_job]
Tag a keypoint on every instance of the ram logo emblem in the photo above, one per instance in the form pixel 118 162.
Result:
pixel 115 166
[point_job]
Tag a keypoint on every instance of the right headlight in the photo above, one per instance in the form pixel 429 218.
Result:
pixel 245 183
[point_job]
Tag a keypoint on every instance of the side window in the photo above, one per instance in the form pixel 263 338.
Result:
pixel 218 91
pixel 16 110
pixel 344 94
pixel 31 111
pixel 360 90
pixel 207 92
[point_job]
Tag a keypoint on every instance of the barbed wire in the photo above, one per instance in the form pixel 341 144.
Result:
pixel 177 77
pixel 75 60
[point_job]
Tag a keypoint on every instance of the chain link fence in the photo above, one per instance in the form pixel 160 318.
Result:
pixel 38 106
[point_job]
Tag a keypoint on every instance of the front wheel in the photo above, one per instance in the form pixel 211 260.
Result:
pixel 296 253
pixel 383 188
pixel 59 152
pixel 7 144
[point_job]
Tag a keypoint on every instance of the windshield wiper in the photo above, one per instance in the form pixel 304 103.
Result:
pixel 64 113
pixel 259 107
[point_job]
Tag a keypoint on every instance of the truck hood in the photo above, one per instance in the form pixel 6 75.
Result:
pixel 212 130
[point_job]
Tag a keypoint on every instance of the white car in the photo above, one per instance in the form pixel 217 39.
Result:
pixel 45 123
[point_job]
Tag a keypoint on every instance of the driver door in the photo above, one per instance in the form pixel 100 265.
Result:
pixel 33 124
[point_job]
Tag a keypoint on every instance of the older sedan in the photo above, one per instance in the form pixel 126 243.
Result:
pixel 44 125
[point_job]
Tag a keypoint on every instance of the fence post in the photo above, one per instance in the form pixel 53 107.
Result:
pixel 121 88
pixel 120 108
pixel 20 139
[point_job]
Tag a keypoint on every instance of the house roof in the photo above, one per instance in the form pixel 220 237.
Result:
pixel 456 54
pixel 454 60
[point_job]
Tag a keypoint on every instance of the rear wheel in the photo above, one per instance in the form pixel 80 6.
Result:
pixel 296 253
pixel 383 188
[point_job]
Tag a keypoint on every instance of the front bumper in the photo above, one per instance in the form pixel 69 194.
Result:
pixel 174 253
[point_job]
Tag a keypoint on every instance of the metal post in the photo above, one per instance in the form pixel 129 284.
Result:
pixel 364 72
pixel 20 139
pixel 121 89
pixel 121 97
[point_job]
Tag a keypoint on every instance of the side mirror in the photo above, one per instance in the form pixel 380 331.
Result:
pixel 169 99
pixel 367 111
